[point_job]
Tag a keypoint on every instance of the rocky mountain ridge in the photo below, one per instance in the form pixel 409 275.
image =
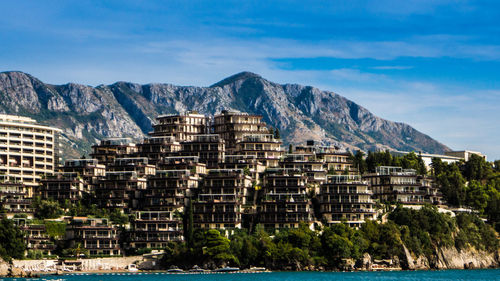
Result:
pixel 87 114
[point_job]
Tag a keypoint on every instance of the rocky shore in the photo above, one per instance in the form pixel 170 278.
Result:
pixel 445 258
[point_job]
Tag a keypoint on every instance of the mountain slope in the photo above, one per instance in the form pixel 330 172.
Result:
pixel 87 114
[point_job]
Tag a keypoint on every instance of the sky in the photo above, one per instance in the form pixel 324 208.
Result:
pixel 434 65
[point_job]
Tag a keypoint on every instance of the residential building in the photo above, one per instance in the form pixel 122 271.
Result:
pixel 155 148
pixel 14 199
pixel 109 149
pixel 232 126
pixel 264 147
pixel 182 127
pixel 96 235
pixel 62 187
pixel 154 229
pixel 346 198
pixel 284 203
pixel 28 151
pixel 395 184
pixel 121 190
pixel 219 204
pixel 209 148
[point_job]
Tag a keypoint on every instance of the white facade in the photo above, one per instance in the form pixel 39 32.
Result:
pixel 27 151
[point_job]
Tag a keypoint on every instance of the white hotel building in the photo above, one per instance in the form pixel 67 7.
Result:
pixel 28 151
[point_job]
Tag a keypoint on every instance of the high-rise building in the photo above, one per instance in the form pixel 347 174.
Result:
pixel 28 151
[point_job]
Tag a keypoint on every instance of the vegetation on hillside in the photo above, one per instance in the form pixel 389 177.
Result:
pixel 421 231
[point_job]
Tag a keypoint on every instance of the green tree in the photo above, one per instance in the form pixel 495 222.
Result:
pixel 476 195
pixel 11 240
pixel 217 248
pixel 47 209
pixel 477 168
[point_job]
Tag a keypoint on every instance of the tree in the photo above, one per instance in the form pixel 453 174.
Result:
pixel 188 223
pixel 290 148
pixel 476 195
pixel 359 162
pixel 477 168
pixel 47 209
pixel 11 240
pixel 277 133
pixel 217 248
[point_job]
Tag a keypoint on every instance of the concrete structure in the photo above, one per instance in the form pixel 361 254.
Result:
pixel 109 149
pixel 232 126
pixel 93 234
pixel 182 127
pixel 284 203
pixel 14 199
pixel 154 229
pixel 465 154
pixel 395 184
pixel 28 151
pixel 264 147
pixel 346 198
pixel 219 205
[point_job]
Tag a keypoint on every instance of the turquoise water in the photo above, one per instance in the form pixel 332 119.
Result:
pixel 456 275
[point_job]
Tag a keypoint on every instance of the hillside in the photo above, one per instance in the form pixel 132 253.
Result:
pixel 87 114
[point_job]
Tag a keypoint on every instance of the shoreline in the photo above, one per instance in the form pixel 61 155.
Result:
pixel 165 272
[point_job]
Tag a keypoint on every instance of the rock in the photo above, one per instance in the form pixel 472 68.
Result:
pixel 126 109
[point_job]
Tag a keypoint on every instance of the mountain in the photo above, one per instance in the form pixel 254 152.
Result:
pixel 87 114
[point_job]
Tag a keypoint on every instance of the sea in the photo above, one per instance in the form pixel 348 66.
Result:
pixel 451 275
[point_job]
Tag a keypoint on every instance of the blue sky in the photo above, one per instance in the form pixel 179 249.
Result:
pixel 432 64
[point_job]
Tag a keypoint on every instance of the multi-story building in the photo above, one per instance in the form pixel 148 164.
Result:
pixel 209 148
pixel 182 127
pixel 28 151
pixel 308 164
pixel 155 148
pixel 395 184
pixel 121 190
pixel 346 198
pixel 168 190
pixel 284 203
pixel 96 235
pixel 63 186
pixel 465 154
pixel 432 193
pixel 14 200
pixel 219 205
pixel 36 238
pixel 232 126
pixel 139 165
pixel 264 147
pixel 191 163
pixel 88 169
pixel 154 229
pixel 334 161
pixel 109 149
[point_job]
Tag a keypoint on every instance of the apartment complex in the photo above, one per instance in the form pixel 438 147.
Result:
pixel 95 235
pixel 28 151
pixel 228 171
pixel 395 184
pixel 346 198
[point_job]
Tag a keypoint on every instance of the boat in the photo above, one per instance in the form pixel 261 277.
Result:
pixel 227 269
pixel 132 268
pixel 174 269
pixel 197 269
pixel 257 269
